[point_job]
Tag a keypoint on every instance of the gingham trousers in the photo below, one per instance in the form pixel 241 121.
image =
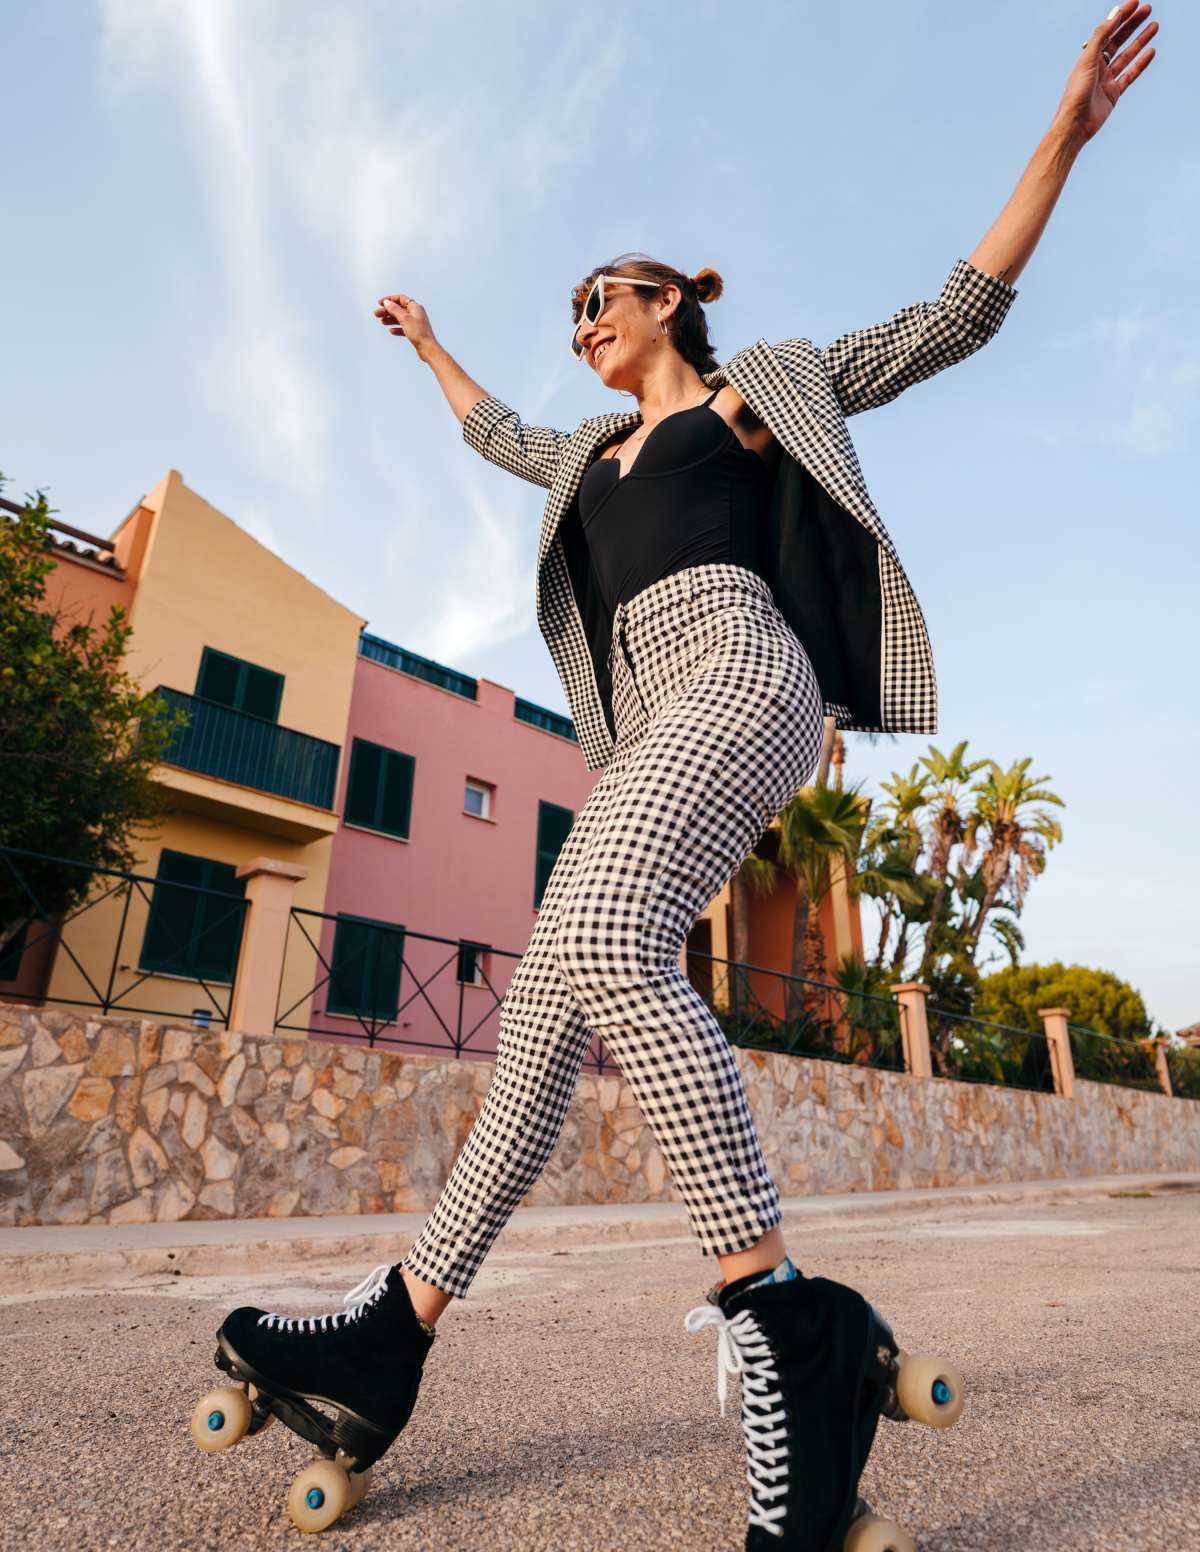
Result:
pixel 718 724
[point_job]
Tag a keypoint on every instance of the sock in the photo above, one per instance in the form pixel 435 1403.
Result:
pixel 783 1273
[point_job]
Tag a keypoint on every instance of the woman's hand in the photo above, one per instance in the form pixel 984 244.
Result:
pixel 1093 87
pixel 401 315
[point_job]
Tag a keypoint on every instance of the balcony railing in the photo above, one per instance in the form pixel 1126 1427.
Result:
pixel 238 747
pixel 548 721
pixel 387 652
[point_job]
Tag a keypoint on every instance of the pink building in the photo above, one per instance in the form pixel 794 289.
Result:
pixel 455 798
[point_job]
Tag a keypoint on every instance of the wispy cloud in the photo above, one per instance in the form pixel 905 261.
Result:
pixel 1153 362
pixel 357 155
pixel 257 368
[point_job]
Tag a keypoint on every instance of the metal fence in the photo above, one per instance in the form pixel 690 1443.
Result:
pixel 973 1050
pixel 1183 1063
pixel 769 1010
pixel 387 985
pixel 159 923
pixel 1105 1059
pixel 391 986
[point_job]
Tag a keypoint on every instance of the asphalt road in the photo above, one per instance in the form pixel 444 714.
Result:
pixel 565 1406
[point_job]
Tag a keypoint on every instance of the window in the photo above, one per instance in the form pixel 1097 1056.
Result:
pixel 243 686
pixel 368 957
pixel 472 962
pixel 554 825
pixel 191 934
pixel 477 799
pixel 379 789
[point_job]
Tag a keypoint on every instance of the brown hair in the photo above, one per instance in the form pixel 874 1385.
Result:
pixel 687 327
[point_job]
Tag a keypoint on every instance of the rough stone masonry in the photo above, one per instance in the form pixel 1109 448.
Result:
pixel 106 1120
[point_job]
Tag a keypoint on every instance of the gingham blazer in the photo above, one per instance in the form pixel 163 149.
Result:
pixel 833 570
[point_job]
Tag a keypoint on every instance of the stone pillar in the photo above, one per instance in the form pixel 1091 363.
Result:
pixel 1160 1064
pixel 1062 1063
pixel 914 1027
pixel 269 888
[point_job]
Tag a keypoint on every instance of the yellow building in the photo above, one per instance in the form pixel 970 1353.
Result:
pixel 263 661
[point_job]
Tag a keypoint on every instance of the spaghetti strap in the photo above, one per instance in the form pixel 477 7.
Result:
pixel 712 395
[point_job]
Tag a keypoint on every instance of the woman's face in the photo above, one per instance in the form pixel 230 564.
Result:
pixel 625 339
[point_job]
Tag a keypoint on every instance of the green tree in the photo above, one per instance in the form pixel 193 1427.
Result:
pixel 947 829
pixel 1015 833
pixel 78 738
pixel 888 871
pixel 1098 999
pixel 819 824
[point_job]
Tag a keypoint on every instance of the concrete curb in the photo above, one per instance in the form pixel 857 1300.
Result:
pixel 128 1257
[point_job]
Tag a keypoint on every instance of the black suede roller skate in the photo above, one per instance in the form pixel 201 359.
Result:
pixel 819 1367
pixel 345 1381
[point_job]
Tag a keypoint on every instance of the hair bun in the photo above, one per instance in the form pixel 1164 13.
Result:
pixel 708 284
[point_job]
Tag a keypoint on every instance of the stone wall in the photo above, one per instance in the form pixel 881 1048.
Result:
pixel 126 1121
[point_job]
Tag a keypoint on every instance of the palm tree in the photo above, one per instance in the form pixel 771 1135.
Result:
pixel 949 774
pixel 819 824
pixel 897 834
pixel 1018 835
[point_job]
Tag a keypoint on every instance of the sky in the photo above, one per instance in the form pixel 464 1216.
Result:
pixel 208 196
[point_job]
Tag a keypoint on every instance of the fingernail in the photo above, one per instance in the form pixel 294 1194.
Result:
pixel 1112 13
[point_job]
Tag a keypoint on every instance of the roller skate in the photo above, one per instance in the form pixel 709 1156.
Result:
pixel 819 1367
pixel 345 1381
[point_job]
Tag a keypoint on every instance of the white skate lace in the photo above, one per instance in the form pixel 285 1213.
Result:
pixel 743 1349
pixel 367 1292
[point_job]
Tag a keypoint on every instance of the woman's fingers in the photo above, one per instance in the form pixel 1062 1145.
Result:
pixel 1121 21
pixel 1136 45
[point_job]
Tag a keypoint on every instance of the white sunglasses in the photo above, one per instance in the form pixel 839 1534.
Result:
pixel 594 305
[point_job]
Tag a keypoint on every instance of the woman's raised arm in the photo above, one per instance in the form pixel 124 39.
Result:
pixel 489 426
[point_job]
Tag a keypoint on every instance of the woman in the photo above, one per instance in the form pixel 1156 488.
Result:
pixel 712 580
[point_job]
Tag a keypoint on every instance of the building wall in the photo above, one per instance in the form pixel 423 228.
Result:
pixel 457 875
pixel 202 581
pixel 192 578
pixel 206 582
pixel 123 1121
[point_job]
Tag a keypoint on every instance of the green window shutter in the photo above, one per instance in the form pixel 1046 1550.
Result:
pixel 261 692
pixel 231 681
pixel 554 825
pixel 366 761
pixel 170 928
pixel 218 678
pixel 396 808
pixel 189 934
pixel 368 957
pixel 379 789
pixel 219 923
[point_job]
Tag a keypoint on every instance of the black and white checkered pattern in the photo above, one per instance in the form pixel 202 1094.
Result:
pixel 718 725
pixel 804 395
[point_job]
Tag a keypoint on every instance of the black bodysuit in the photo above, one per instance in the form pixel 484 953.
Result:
pixel 694 496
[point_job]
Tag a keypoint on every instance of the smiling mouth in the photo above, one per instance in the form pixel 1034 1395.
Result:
pixel 600 350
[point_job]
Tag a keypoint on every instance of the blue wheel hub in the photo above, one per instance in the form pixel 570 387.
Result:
pixel 314 1498
pixel 941 1392
pixel 216 1420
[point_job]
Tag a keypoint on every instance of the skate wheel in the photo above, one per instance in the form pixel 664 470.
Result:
pixel 930 1390
pixel 318 1496
pixel 871 1534
pixel 360 1481
pixel 221 1418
